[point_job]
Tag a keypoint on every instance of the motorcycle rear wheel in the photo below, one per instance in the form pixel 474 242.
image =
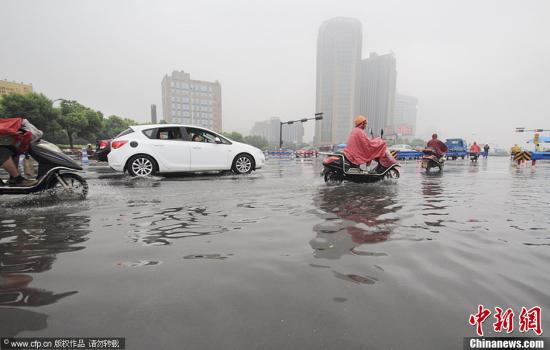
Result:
pixel 333 178
pixel 392 174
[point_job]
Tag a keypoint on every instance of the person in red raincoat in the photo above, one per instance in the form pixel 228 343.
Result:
pixel 475 148
pixel 439 147
pixel 13 140
pixel 360 149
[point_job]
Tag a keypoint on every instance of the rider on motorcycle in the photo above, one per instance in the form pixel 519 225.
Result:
pixel 360 149
pixel 474 148
pixel 439 147
pixel 9 152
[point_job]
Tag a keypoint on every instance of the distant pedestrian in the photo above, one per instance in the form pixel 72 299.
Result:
pixel 90 149
pixel 486 150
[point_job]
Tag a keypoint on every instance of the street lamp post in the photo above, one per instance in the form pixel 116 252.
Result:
pixel 318 116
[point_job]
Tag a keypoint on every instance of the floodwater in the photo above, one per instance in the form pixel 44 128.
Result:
pixel 278 260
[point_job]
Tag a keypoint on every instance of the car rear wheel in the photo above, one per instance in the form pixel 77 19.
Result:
pixel 142 165
pixel 243 164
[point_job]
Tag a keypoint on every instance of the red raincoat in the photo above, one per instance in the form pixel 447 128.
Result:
pixel 439 147
pixel 474 148
pixel 10 129
pixel 360 149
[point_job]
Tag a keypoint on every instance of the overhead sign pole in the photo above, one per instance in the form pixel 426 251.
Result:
pixel 318 116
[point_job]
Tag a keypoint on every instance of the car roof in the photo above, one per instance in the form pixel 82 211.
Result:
pixel 150 126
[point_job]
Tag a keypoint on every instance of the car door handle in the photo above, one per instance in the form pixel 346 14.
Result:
pixel 158 145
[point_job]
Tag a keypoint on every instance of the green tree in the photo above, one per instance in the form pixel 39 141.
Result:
pixel 64 124
pixel 256 141
pixel 78 120
pixel 34 107
pixel 114 125
pixel 235 136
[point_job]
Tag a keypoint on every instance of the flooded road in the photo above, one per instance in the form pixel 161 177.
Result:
pixel 278 260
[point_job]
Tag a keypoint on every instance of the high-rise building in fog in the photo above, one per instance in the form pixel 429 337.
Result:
pixel 377 91
pixel 194 102
pixel 338 66
pixel 270 130
pixel 404 115
pixel 261 129
pixel 153 114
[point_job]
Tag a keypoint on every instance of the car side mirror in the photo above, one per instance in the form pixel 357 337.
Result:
pixel 217 140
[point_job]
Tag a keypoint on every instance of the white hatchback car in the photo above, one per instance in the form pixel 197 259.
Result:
pixel 145 150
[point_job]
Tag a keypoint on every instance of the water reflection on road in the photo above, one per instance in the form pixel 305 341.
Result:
pixel 353 215
pixel 30 245
pixel 277 259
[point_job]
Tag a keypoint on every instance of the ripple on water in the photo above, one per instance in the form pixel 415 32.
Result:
pixel 207 256
pixel 168 224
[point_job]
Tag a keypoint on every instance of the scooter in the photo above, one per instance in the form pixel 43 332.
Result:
pixel 430 160
pixel 336 169
pixel 474 156
pixel 56 173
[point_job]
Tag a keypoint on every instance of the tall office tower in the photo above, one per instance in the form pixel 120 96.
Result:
pixel 153 114
pixel 194 102
pixel 377 90
pixel 338 66
pixel 404 115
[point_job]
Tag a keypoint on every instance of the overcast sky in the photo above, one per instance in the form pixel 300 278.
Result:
pixel 479 68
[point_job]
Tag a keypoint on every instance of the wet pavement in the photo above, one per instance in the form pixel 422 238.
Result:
pixel 278 260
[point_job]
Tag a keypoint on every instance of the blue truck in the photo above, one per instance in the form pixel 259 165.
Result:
pixel 457 148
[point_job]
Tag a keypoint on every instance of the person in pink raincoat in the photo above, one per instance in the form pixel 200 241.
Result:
pixel 360 149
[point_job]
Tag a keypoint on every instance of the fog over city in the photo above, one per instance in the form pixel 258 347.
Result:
pixel 478 68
